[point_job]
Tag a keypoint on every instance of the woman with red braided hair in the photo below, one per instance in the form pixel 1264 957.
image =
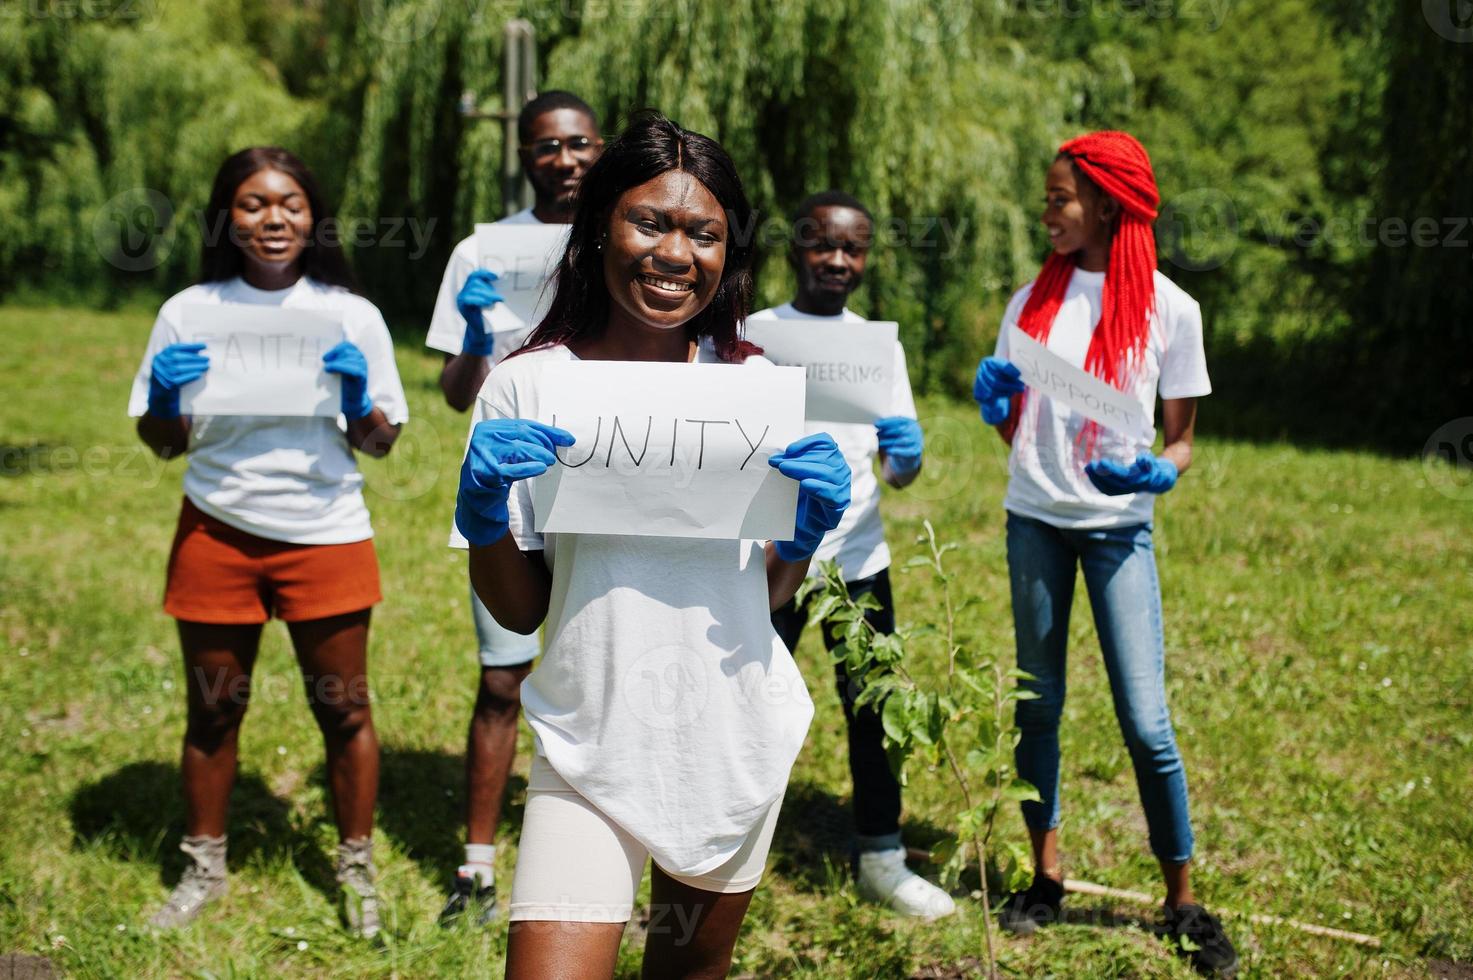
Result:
pixel 1082 496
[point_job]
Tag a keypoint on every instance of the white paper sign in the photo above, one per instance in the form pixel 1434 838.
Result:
pixel 671 450
pixel 523 258
pixel 1051 375
pixel 850 366
pixel 264 360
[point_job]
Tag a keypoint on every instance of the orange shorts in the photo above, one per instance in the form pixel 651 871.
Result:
pixel 220 574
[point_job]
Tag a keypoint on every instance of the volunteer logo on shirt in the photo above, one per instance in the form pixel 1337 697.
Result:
pixel 667 687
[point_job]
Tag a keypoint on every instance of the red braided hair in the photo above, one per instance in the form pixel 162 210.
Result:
pixel 1117 164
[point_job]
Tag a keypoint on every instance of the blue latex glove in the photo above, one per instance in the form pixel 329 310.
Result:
pixel 171 369
pixel 823 491
pixel 479 293
pixel 902 442
pixel 1148 474
pixel 501 451
pixel 348 361
pixel 996 383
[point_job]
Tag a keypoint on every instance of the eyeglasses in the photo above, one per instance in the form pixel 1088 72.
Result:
pixel 577 145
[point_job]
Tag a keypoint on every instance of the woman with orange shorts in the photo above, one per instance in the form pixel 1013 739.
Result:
pixel 273 521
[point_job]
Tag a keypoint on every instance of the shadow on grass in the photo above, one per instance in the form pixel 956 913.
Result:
pixel 814 825
pixel 136 811
pixel 421 807
pixel 1107 917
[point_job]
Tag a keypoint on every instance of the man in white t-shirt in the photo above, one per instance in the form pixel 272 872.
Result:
pixel 832 235
pixel 559 141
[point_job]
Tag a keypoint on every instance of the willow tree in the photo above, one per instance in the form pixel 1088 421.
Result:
pixel 110 130
pixel 409 153
pixel 940 114
pixel 926 111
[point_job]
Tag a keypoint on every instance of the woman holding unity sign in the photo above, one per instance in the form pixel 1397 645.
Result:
pixel 273 521
pixel 1080 495
pixel 656 269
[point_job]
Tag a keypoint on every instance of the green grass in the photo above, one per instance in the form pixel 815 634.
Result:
pixel 1319 665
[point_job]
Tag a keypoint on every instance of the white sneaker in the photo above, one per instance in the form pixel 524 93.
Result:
pixel 884 878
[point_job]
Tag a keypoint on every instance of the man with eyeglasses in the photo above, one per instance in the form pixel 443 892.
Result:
pixel 559 140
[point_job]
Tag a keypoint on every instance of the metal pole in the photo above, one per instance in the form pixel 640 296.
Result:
pixel 518 86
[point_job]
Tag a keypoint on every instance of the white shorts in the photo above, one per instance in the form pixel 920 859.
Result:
pixel 576 865
pixel 497 645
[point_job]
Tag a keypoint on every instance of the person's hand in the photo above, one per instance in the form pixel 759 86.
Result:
pixel 478 294
pixel 1148 474
pixel 347 360
pixel 902 442
pixel 171 369
pixel 501 451
pixel 996 383
pixel 823 492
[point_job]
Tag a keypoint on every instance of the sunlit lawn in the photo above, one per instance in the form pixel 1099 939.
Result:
pixel 1319 665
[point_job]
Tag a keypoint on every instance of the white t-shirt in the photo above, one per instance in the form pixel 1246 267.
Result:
pixel 447 326
pixel 1048 481
pixel 284 478
pixel 663 696
pixel 858 543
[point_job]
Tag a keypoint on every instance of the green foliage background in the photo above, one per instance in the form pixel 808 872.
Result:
pixel 1285 133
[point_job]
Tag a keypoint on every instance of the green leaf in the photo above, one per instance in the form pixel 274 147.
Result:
pixel 824 608
pixel 914 712
pixel 943 849
pixel 1020 790
pixel 893 720
pixel 896 754
pixel 809 587
pixel 829 569
pixel 935 719
pixel 955 864
pixel 1017 871
pixel 871 695
pixel 887 651
pixel 977 682
pixel 986 760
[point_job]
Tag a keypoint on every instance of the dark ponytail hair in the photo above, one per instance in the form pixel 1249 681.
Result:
pixel 220 257
pixel 651 146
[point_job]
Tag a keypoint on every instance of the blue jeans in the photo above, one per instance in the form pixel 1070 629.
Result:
pixel 1120 573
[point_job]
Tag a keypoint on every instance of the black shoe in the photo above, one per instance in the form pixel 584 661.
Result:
pixel 1041 905
pixel 465 896
pixel 1196 934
